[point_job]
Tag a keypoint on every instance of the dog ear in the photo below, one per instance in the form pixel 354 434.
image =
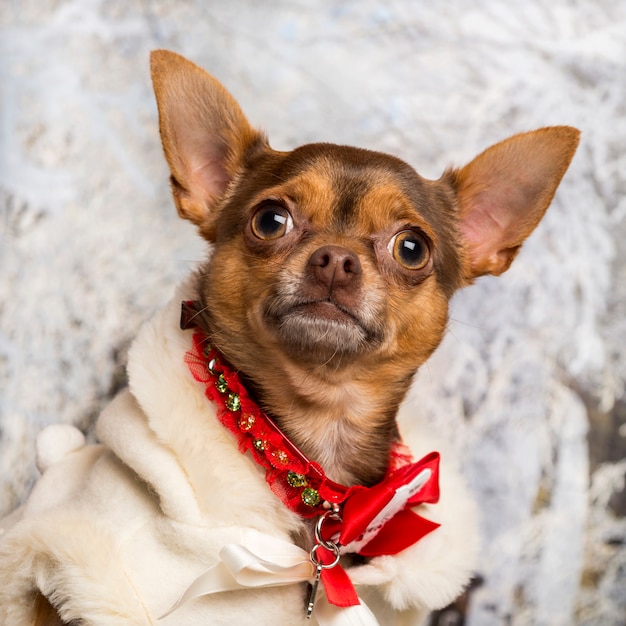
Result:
pixel 504 192
pixel 204 133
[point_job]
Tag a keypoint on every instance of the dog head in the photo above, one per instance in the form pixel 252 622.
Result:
pixel 332 266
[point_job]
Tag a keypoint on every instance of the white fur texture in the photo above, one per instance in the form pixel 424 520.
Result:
pixel 114 533
pixel 56 442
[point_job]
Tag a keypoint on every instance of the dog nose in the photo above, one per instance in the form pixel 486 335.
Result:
pixel 335 266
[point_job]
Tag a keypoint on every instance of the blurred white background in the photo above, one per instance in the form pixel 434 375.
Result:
pixel 528 386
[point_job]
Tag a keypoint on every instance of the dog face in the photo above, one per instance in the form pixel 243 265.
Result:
pixel 332 257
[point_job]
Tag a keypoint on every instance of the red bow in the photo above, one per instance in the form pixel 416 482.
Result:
pixel 381 520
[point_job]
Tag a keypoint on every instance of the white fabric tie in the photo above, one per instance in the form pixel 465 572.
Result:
pixel 262 560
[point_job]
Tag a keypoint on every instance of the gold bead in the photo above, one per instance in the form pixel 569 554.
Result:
pixel 233 402
pixel 221 384
pixel 296 480
pixel 310 497
pixel 280 456
pixel 246 421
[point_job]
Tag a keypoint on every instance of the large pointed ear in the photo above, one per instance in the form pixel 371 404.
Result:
pixel 504 192
pixel 204 133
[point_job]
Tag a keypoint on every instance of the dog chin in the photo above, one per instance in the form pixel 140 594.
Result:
pixel 318 339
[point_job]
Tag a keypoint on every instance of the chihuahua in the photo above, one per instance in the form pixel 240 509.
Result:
pixel 326 287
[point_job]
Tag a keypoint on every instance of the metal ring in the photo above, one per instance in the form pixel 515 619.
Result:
pixel 319 564
pixel 329 545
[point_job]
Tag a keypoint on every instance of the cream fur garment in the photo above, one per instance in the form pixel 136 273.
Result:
pixel 114 533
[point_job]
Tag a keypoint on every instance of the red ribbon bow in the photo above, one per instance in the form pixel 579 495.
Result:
pixel 404 527
pixel 400 528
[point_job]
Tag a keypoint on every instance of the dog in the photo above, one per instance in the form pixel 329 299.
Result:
pixel 255 471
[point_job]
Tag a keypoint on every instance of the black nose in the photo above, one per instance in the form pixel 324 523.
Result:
pixel 334 266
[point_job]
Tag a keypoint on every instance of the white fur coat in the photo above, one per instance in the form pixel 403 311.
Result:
pixel 114 533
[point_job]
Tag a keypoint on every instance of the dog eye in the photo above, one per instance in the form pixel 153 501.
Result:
pixel 410 249
pixel 271 221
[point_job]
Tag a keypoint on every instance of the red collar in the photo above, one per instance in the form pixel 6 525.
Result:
pixel 373 520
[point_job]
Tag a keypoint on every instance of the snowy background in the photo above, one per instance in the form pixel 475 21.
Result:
pixel 529 383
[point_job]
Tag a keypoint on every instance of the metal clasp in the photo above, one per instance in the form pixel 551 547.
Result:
pixel 331 546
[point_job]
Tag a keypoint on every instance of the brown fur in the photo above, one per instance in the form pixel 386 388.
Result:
pixel 332 358
pixel 45 613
